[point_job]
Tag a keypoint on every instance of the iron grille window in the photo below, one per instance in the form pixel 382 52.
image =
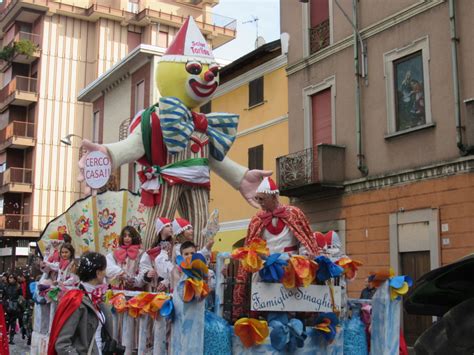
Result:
pixel 256 92
pixel 123 129
pixel 206 108
pixel 256 157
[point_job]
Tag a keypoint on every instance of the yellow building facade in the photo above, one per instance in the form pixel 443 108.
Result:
pixel 255 87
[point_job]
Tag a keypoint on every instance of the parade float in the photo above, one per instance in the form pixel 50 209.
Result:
pixel 292 303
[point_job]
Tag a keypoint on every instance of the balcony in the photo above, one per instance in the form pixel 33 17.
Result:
pixel 18 135
pixel 312 170
pixel 21 91
pixel 319 37
pixel 15 225
pixel 18 56
pixel 16 180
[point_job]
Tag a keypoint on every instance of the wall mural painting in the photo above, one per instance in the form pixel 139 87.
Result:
pixel 409 85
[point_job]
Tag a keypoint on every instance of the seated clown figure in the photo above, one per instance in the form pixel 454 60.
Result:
pixel 178 147
pixel 284 228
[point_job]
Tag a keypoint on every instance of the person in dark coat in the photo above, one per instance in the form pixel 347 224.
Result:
pixel 82 321
pixel 12 301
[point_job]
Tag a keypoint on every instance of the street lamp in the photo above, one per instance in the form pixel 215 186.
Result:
pixel 67 140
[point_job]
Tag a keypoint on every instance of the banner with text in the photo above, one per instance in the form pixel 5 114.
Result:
pixel 275 297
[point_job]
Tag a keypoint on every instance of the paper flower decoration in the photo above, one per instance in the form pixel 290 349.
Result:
pixel 326 324
pixel 193 267
pixel 194 290
pixel 300 272
pixel 286 334
pixel 273 268
pixel 251 331
pixel 250 256
pixel 399 286
pixel 118 302
pixel 167 309
pixel 139 304
pixel 327 269
pixel 350 266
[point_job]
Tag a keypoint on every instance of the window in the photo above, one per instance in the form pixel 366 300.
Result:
pixel 140 96
pixel 133 40
pixel 163 39
pixel 206 108
pixel 95 127
pixel 319 32
pixel 123 129
pixel 256 92
pixel 408 88
pixel 409 91
pixel 256 157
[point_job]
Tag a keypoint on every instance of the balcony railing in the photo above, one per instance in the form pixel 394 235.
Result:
pixel 18 83
pixel 15 222
pixel 319 36
pixel 17 129
pixel 26 36
pixel 17 176
pixel 311 169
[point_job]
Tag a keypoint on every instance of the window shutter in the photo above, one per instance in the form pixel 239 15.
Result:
pixel 256 91
pixel 256 157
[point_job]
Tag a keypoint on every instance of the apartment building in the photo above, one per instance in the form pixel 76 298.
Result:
pixel 381 130
pixel 59 48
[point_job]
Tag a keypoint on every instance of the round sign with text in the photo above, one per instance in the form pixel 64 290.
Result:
pixel 97 169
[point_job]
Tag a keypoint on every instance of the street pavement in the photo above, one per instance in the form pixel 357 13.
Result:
pixel 20 347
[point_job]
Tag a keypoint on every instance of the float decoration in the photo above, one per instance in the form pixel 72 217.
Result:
pixel 327 325
pixel 251 256
pixel 350 267
pixel 327 269
pixel 194 287
pixel 143 303
pixel 274 268
pixel 300 272
pixel 251 331
pixel 287 334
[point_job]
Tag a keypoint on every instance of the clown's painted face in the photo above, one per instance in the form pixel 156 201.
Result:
pixel 193 82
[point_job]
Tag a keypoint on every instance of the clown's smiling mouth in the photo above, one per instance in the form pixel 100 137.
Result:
pixel 202 90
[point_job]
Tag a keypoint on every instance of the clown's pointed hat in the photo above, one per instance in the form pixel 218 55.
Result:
pixel 268 186
pixel 160 223
pixel 189 44
pixel 179 225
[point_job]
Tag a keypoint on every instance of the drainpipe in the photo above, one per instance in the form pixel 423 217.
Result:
pixel 360 156
pixel 465 150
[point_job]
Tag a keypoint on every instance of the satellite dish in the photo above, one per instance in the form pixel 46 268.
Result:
pixel 260 41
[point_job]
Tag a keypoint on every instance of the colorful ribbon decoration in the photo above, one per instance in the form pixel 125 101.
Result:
pixel 327 269
pixel 251 331
pixel 326 324
pixel 249 256
pixel 273 268
pixel 286 335
pixel 350 267
pixel 300 272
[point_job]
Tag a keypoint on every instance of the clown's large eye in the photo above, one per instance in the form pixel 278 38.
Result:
pixel 194 68
pixel 214 69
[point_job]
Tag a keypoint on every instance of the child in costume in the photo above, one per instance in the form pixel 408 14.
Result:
pixel 67 278
pixel 82 322
pixel 147 267
pixel 177 146
pixel 123 262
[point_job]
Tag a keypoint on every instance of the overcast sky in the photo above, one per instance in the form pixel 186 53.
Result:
pixel 268 14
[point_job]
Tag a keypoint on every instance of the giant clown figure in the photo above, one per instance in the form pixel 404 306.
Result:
pixel 178 147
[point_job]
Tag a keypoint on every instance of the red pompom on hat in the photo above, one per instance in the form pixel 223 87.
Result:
pixel 268 186
pixel 179 225
pixel 189 44
pixel 160 223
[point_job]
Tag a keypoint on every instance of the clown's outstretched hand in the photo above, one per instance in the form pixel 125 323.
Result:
pixel 88 146
pixel 249 184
